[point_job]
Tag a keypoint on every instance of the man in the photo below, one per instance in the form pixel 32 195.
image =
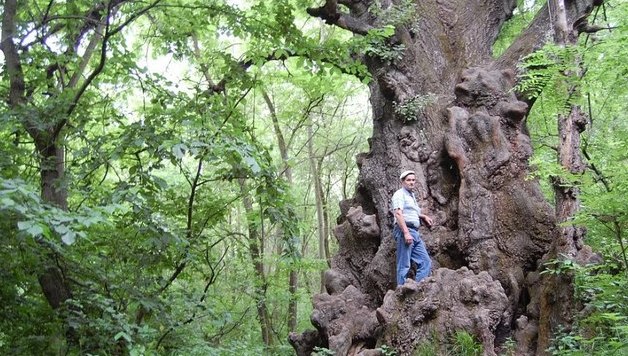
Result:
pixel 408 217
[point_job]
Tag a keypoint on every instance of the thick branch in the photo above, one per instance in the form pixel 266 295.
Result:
pixel 329 13
pixel 11 56
pixel 94 17
pixel 91 47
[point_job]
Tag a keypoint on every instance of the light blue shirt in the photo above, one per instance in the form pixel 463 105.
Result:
pixel 405 200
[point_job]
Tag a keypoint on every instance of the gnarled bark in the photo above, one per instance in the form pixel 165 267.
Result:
pixel 416 312
pixel 470 148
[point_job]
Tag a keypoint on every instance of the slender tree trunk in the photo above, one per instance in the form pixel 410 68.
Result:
pixel 557 302
pixel 324 197
pixel 558 305
pixel 256 251
pixel 561 31
pixel 45 103
pixel 53 281
pixel 293 278
pixel 319 201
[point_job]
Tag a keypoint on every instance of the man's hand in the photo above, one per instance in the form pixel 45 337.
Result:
pixel 427 219
pixel 408 238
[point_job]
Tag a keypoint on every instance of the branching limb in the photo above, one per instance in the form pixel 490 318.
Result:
pixel 595 28
pixel 109 32
pixel 535 36
pixel 330 14
pixel 600 177
pixel 11 56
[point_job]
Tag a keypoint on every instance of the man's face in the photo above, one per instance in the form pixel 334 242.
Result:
pixel 409 181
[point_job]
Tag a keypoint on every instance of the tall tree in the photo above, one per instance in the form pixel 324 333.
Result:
pixel 293 279
pixel 61 62
pixel 557 299
pixel 53 53
pixel 319 199
pixel 256 250
pixel 444 108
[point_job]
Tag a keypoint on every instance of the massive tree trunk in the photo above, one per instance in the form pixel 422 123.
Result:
pixel 445 110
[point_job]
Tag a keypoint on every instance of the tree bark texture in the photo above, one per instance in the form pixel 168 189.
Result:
pixel 468 144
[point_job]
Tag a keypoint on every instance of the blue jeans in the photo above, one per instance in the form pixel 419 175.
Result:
pixel 414 252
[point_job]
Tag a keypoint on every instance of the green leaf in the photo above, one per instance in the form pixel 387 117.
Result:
pixel 388 30
pixel 179 150
pixel 30 227
pixel 68 238
pixel 122 335
pixel 6 203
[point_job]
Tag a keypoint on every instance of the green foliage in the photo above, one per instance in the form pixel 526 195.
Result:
pixel 378 42
pixel 601 329
pixel 464 344
pixel 398 14
pixel 154 244
pixel 387 350
pixel 522 17
pixel 321 351
pixel 412 108
pixel 20 204
pixel 552 70
pixel 509 347
pixel 461 343
pixel 560 266
pixel 426 349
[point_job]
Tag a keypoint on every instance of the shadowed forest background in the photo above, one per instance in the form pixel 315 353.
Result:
pixel 171 170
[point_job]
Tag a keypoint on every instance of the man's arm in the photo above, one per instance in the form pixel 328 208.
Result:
pixel 427 219
pixel 402 225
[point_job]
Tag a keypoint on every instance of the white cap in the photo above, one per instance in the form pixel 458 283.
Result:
pixel 405 174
